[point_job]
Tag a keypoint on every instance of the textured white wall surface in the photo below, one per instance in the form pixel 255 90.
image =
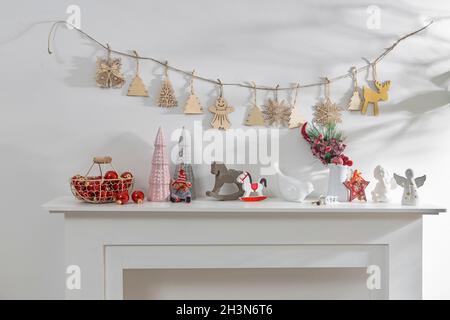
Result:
pixel 54 119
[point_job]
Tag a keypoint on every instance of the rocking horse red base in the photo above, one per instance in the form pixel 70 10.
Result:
pixel 250 187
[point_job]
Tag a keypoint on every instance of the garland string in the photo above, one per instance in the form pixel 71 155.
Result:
pixel 218 82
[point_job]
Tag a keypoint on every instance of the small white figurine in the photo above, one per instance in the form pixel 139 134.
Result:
pixel 385 183
pixel 292 189
pixel 410 185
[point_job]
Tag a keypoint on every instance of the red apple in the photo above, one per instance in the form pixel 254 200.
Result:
pixel 137 196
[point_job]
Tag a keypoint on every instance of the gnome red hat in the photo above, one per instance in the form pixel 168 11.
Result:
pixel 181 179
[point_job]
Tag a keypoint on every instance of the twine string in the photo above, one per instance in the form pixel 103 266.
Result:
pixel 276 92
pixel 220 88
pixel 354 72
pixel 192 81
pixel 327 88
pixel 237 84
pixel 137 61
pixel 254 93
pixel 295 95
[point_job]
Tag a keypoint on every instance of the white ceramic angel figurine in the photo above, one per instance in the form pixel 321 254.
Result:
pixel 385 183
pixel 410 185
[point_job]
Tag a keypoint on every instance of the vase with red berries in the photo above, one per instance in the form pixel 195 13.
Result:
pixel 327 144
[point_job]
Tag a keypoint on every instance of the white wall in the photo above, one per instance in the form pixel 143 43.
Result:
pixel 54 119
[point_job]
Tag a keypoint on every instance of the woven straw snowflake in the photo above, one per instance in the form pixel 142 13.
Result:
pixel 327 112
pixel 277 112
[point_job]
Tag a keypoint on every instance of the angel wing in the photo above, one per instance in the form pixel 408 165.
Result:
pixel 420 181
pixel 401 181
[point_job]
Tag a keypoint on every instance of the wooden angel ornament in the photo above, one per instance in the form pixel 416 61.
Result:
pixel 355 101
pixel 221 109
pixel 108 74
pixel 410 185
pixel 137 87
pixel 166 97
pixel 193 105
pixel 255 116
pixel 372 96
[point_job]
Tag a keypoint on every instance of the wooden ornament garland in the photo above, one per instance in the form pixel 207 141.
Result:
pixel 221 109
pixel 295 119
pixel 372 97
pixel 137 87
pixel 327 112
pixel 193 105
pixel 108 74
pixel 355 101
pixel 255 116
pixel 277 112
pixel 166 97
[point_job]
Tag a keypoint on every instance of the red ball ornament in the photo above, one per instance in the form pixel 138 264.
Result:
pixel 138 197
pixel 111 175
pixel 126 175
pixel 123 198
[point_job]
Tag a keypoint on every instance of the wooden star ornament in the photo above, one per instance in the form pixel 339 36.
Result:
pixel 357 186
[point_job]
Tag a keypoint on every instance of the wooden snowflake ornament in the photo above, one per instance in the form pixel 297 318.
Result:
pixel 108 74
pixel 166 97
pixel 276 112
pixel 327 112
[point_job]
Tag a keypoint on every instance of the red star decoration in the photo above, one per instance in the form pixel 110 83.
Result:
pixel 357 186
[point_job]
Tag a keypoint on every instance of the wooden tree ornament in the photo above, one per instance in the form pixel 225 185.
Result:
pixel 166 97
pixel 327 112
pixel 277 112
pixel 255 116
pixel 193 105
pixel 372 97
pixel 137 87
pixel 295 119
pixel 108 73
pixel 355 101
pixel 221 109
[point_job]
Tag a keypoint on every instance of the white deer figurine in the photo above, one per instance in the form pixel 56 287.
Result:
pixel 371 96
pixel 249 186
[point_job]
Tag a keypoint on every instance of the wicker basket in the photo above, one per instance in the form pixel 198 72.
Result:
pixel 97 189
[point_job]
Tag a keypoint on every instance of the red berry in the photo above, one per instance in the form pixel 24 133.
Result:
pixel 349 163
pixel 111 175
pixel 137 196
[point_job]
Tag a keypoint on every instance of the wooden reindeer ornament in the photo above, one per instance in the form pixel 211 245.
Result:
pixel 371 96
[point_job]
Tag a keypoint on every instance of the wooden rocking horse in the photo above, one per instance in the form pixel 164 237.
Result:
pixel 224 175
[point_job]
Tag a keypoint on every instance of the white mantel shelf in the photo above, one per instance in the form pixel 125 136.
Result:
pixel 68 204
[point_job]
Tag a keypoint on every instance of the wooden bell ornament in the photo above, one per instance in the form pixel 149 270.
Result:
pixel 108 74
pixel 255 116
pixel 137 87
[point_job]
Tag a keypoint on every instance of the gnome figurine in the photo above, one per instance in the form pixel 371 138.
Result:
pixel 410 186
pixel 181 189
